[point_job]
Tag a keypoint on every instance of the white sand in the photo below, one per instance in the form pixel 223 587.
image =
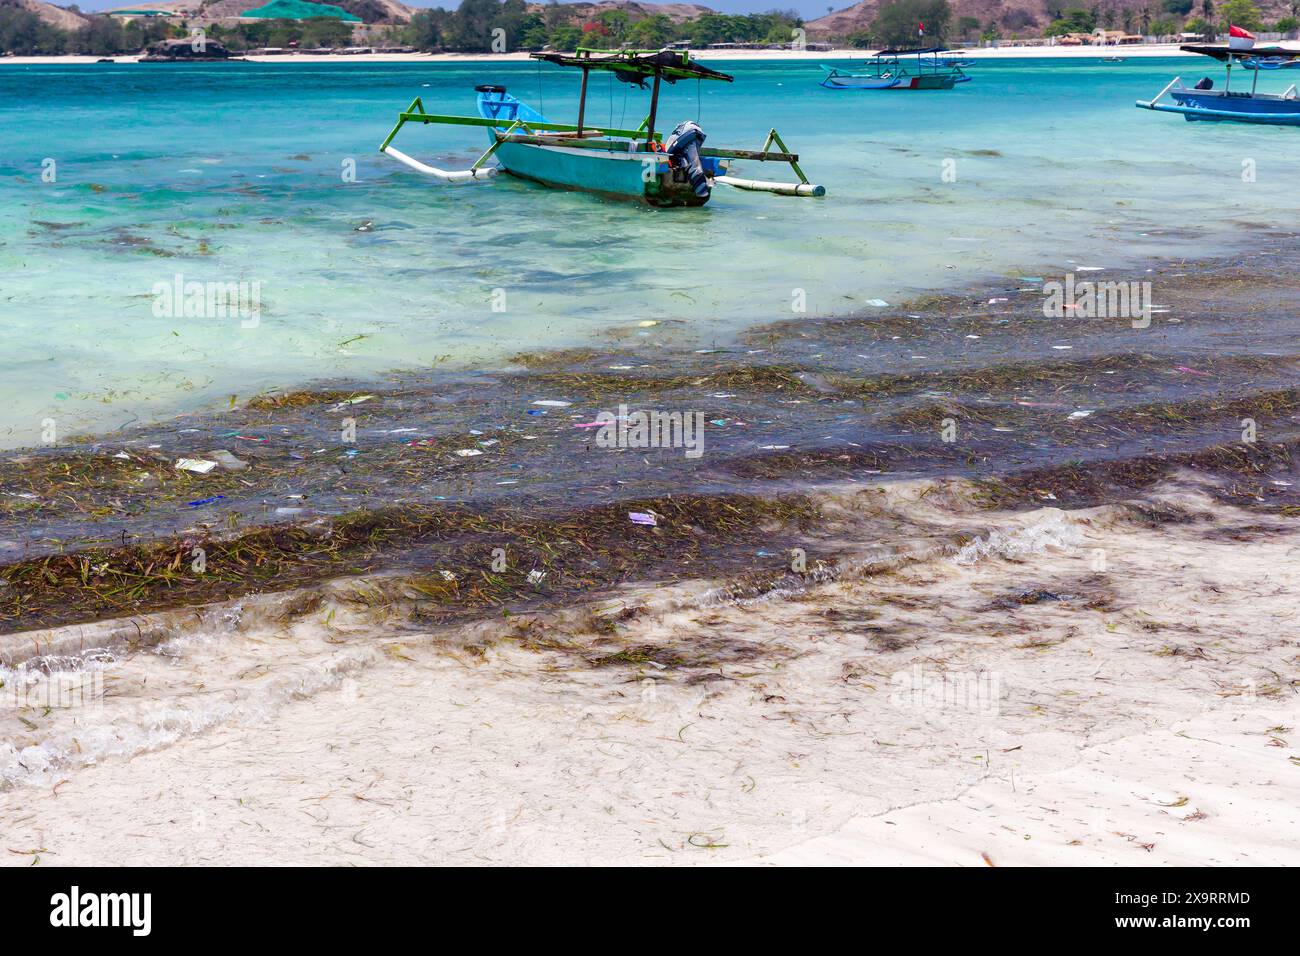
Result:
pixel 1144 715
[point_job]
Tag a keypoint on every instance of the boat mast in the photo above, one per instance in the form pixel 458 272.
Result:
pixel 582 98
pixel 654 108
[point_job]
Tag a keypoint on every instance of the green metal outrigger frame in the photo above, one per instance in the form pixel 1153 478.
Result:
pixel 644 138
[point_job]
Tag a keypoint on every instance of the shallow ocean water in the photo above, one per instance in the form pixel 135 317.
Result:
pixel 235 172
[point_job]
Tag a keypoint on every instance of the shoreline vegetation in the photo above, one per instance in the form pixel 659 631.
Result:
pixel 510 29
pixel 838 53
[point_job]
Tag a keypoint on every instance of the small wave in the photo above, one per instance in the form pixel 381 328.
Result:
pixel 117 728
pixel 1053 531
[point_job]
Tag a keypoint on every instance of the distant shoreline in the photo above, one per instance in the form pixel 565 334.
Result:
pixel 991 53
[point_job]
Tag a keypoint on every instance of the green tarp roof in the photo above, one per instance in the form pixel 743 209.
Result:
pixel 299 10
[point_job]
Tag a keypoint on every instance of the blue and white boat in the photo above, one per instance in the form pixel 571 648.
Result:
pixel 1203 103
pixel 895 70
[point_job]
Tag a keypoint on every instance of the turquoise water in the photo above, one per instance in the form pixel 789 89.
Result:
pixel 233 172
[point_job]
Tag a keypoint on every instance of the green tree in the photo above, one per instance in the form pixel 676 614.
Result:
pixel 1242 13
pixel 427 29
pixel 470 27
pixel 898 22
pixel 567 38
pixel 650 33
pixel 1074 20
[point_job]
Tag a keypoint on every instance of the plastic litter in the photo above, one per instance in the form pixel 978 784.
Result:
pixel 642 517
pixel 469 452
pixel 535 577
pixel 199 465
pixel 205 501
pixel 552 403
pixel 227 461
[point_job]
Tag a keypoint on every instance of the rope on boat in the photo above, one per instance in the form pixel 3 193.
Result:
pixel 447 176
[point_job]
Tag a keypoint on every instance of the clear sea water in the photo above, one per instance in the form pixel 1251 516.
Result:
pixel 233 173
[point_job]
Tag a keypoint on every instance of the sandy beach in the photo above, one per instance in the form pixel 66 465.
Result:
pixel 1036 695
pixel 999 53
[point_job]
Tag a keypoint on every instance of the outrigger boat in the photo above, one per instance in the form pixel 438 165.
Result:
pixel 1204 103
pixel 887 70
pixel 626 163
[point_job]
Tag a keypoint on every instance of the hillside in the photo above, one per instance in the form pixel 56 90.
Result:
pixel 392 11
pixel 371 11
pixel 1013 17
pixel 49 13
pixel 677 12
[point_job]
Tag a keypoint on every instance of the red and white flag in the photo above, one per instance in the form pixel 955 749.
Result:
pixel 1239 39
pixel 920 29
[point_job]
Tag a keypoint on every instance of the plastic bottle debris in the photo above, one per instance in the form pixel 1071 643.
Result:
pixel 552 403
pixel 642 517
pixel 205 501
pixel 198 465
pixel 878 303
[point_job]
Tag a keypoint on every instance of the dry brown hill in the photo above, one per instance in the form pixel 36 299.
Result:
pixel 48 12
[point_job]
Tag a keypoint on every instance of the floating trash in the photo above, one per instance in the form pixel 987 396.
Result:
pixel 199 465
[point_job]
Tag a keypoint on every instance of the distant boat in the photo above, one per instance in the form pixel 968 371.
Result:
pixel 895 70
pixel 624 163
pixel 1204 103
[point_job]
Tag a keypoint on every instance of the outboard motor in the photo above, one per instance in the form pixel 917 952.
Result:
pixel 684 144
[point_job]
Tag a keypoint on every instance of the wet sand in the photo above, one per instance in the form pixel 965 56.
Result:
pixel 951 582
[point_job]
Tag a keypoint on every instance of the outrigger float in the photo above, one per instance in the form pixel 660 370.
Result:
pixel 1204 103
pixel 887 70
pixel 624 163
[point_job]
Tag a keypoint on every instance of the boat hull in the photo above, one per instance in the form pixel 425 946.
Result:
pixel 922 81
pixel 1215 106
pixel 647 177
